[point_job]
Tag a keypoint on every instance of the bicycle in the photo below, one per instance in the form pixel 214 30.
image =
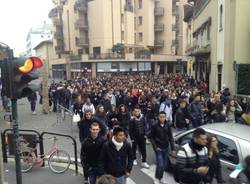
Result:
pixel 59 160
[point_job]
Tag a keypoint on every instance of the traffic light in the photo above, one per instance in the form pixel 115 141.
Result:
pixel 23 71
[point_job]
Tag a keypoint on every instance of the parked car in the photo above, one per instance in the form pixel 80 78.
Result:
pixel 234 144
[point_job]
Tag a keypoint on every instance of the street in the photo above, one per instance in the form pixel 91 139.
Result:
pixel 41 122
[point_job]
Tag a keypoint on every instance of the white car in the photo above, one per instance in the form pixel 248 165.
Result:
pixel 234 144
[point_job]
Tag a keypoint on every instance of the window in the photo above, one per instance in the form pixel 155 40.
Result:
pixel 208 32
pixel 228 150
pixel 185 139
pixel 221 18
pixel 140 37
pixel 140 4
pixel 122 18
pixel 123 37
pixel 140 20
pixel 114 65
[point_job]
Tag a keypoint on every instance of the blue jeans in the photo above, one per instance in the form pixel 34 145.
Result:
pixel 33 105
pixel 93 172
pixel 121 180
pixel 161 159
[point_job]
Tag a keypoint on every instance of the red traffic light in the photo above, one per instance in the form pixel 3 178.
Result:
pixel 30 63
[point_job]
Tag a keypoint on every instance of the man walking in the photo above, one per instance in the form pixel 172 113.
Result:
pixel 137 132
pixel 90 151
pixel 192 160
pixel 116 157
pixel 195 110
pixel 182 119
pixel 32 98
pixel 161 137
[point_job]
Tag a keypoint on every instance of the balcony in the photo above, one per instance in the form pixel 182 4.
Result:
pixel 175 27
pixel 58 35
pixel 59 49
pixel 81 42
pixel 81 24
pixel 175 42
pixel 159 11
pixel 159 27
pixel 107 56
pixel 159 43
pixel 197 50
pixel 57 22
pixel 129 8
pixel 81 6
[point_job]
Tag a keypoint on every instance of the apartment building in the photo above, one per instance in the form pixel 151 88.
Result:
pixel 217 36
pixel 124 35
pixel 37 35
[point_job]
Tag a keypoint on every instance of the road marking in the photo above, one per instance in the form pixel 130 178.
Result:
pixel 151 173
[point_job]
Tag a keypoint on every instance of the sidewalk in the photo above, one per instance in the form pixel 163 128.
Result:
pixel 40 175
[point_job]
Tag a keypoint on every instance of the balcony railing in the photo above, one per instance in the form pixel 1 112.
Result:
pixel 107 56
pixel 159 27
pixel 80 6
pixel 175 42
pixel 81 24
pixel 57 22
pixel 58 35
pixel 81 42
pixel 159 43
pixel 159 11
pixel 59 48
pixel 175 27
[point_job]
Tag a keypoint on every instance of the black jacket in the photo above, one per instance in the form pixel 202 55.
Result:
pixel 123 119
pixel 161 137
pixel 90 151
pixel 77 109
pixel 137 127
pixel 215 169
pixel 181 115
pixel 116 163
pixel 84 126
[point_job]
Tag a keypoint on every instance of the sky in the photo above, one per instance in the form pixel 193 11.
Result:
pixel 17 17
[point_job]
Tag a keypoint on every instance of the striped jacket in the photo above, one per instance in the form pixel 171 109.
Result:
pixel 189 159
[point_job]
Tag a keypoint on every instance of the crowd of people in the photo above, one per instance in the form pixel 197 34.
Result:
pixel 116 110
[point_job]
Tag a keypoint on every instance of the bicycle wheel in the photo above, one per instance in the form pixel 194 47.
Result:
pixel 27 161
pixel 59 161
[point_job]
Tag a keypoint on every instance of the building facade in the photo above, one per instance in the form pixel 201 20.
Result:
pixel 37 35
pixel 119 35
pixel 217 35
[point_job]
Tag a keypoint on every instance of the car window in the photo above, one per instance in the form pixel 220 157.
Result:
pixel 228 150
pixel 185 139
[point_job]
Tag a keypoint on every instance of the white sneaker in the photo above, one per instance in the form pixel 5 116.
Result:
pixel 156 181
pixel 163 181
pixel 135 162
pixel 145 165
pixel 34 112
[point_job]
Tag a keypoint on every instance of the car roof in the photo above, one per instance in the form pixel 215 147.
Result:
pixel 233 129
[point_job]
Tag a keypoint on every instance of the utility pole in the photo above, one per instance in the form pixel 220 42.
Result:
pixel 45 90
pixel 1 165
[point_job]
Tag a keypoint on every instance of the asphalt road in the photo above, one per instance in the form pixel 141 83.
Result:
pixel 41 122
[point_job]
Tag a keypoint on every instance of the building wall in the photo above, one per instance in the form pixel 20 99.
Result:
pixel 209 11
pixel 147 26
pixel 237 39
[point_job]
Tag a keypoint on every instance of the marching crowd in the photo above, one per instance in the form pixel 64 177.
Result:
pixel 119 113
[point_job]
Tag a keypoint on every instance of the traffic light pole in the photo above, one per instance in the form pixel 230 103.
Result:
pixel 16 141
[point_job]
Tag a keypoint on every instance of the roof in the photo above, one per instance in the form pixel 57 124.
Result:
pixel 41 43
pixel 233 129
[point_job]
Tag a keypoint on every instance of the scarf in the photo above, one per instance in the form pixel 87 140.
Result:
pixel 195 146
pixel 118 145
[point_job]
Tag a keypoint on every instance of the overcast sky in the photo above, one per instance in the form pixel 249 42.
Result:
pixel 17 17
